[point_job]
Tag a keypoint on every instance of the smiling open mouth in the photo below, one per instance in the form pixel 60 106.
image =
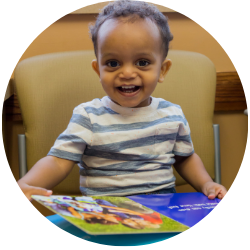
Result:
pixel 129 89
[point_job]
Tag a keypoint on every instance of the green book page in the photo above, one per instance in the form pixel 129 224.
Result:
pixel 100 215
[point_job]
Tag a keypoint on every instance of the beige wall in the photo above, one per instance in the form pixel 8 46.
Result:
pixel 71 33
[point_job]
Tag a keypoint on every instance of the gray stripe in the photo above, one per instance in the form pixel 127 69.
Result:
pixel 136 126
pixel 165 137
pixel 65 155
pixel 85 122
pixel 129 168
pixel 100 111
pixel 118 156
pixel 131 189
pixel 81 120
pixel 119 146
pixel 183 154
pixel 71 138
pixel 128 165
pixel 166 104
pixel 186 138
pixel 105 110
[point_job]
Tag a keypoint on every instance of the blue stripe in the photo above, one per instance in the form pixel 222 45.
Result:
pixel 165 137
pixel 136 126
pixel 105 110
pixel 119 156
pixel 183 154
pixel 126 165
pixel 107 172
pixel 71 138
pixel 186 138
pixel 65 155
pixel 119 146
pixel 145 187
pixel 129 165
pixel 166 104
pixel 100 111
pixel 81 120
pixel 96 128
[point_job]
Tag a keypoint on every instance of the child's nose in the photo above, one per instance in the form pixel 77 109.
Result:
pixel 128 72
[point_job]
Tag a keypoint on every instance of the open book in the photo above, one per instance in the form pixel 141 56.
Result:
pixel 130 215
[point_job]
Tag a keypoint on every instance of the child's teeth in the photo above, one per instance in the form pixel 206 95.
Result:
pixel 128 89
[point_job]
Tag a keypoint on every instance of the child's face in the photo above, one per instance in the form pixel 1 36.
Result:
pixel 130 61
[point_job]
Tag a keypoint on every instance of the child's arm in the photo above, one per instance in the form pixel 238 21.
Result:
pixel 193 171
pixel 44 175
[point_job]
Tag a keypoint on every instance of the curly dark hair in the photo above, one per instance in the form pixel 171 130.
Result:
pixel 133 10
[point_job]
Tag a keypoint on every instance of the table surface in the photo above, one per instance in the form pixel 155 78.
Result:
pixel 164 203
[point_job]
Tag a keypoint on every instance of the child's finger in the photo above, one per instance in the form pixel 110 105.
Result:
pixel 43 191
pixel 220 196
pixel 222 193
pixel 40 191
pixel 211 195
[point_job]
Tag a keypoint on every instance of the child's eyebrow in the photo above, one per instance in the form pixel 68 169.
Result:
pixel 139 54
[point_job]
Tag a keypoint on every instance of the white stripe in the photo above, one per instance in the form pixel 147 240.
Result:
pixel 96 162
pixel 78 130
pixel 68 146
pixel 127 180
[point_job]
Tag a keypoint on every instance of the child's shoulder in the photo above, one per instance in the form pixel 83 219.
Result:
pixel 94 104
pixel 166 104
pixel 167 108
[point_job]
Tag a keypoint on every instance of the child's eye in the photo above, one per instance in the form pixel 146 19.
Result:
pixel 144 62
pixel 113 64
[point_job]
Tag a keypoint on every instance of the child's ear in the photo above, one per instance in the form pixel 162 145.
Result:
pixel 164 69
pixel 95 67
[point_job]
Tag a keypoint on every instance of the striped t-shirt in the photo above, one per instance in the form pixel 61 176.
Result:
pixel 123 151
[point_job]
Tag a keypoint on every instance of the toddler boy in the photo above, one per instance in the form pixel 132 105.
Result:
pixel 127 142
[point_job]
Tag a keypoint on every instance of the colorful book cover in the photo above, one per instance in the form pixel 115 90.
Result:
pixel 110 215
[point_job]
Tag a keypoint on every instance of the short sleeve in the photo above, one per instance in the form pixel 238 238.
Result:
pixel 183 144
pixel 72 142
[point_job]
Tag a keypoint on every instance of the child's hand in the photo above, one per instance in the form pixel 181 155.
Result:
pixel 212 190
pixel 30 190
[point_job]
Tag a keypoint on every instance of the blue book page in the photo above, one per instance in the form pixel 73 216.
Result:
pixel 186 208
